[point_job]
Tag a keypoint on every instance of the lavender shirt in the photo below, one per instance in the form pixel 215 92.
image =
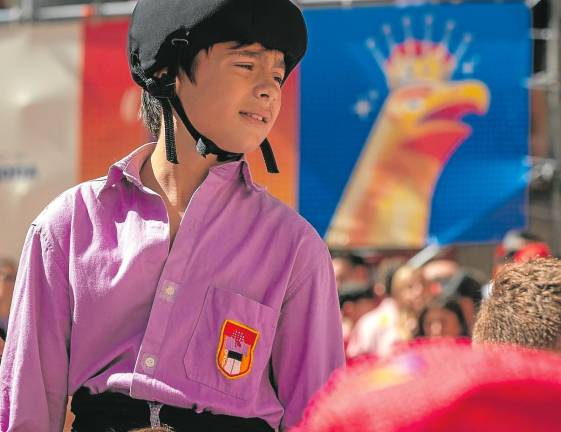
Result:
pixel 101 302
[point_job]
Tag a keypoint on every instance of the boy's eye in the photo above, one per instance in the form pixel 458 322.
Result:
pixel 278 79
pixel 245 66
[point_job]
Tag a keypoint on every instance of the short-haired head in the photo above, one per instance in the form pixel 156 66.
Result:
pixel 524 306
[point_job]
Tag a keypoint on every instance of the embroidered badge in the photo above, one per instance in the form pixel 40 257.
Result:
pixel 235 350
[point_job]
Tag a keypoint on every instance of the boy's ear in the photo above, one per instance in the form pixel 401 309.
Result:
pixel 161 72
pixel 180 78
pixel 164 71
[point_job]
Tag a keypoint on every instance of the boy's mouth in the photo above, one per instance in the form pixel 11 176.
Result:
pixel 254 116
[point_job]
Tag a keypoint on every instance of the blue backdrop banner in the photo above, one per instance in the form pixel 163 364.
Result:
pixel 415 123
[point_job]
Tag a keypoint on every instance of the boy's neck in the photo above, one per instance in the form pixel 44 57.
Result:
pixel 176 183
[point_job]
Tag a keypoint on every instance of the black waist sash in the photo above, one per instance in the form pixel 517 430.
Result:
pixel 116 412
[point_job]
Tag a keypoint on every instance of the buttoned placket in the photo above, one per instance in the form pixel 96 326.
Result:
pixel 168 289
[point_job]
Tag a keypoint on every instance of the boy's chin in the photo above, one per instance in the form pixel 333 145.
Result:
pixel 245 147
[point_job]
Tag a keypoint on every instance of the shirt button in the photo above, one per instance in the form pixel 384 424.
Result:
pixel 170 290
pixel 149 362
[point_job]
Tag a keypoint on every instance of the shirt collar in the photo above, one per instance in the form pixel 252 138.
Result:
pixel 129 168
pixel 237 169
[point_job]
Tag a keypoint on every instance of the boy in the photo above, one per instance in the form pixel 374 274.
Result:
pixel 175 290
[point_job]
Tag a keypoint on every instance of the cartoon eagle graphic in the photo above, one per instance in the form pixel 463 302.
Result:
pixel 387 200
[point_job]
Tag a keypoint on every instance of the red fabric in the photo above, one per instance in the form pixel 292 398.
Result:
pixel 526 253
pixel 110 98
pixel 531 251
pixel 442 386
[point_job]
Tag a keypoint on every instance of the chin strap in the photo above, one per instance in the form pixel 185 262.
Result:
pixel 171 152
pixel 164 89
pixel 204 145
pixel 269 157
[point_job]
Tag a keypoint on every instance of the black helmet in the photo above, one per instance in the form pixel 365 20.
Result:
pixel 164 33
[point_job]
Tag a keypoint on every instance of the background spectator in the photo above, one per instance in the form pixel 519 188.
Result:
pixel 438 272
pixel 519 246
pixel 468 293
pixel 350 270
pixel 449 279
pixel 524 306
pixel 442 318
pixel 395 320
pixel 356 296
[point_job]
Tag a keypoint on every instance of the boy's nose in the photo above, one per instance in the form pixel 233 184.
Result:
pixel 267 89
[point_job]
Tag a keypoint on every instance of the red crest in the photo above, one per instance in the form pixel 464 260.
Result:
pixel 235 350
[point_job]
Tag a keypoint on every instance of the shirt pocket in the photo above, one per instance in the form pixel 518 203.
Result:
pixel 231 344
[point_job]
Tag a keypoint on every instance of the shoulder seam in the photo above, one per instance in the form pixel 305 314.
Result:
pixel 51 246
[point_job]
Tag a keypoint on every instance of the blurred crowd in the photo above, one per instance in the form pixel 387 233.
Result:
pixel 415 374
pixel 387 301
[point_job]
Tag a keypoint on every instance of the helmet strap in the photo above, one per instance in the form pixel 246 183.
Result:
pixel 163 88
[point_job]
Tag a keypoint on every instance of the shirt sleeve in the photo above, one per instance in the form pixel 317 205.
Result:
pixel 308 344
pixel 34 368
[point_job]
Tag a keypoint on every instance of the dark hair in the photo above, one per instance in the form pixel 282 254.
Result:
pixel 471 288
pixel 524 306
pixel 530 236
pixel 151 108
pixel 355 293
pixel 463 284
pixel 353 259
pixel 449 303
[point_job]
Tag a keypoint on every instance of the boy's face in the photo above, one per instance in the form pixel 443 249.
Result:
pixel 236 96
